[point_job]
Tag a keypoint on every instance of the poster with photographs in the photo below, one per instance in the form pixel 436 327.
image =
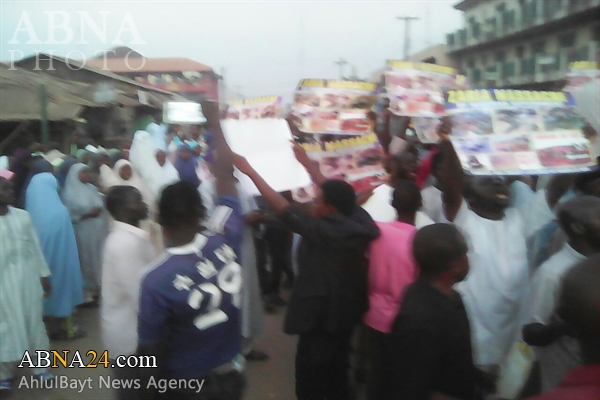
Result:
pixel 417 89
pixel 256 108
pixel 581 73
pixel 356 160
pixel 334 107
pixel 514 132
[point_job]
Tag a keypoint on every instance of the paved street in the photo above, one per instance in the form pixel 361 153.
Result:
pixel 273 379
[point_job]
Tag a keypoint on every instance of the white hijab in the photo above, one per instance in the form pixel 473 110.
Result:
pixel 143 161
pixel 80 197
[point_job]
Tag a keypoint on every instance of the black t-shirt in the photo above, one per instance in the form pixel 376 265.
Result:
pixel 430 347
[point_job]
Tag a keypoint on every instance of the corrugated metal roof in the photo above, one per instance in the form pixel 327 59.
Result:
pixel 143 64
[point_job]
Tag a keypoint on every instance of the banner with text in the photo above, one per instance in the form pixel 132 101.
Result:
pixel 356 160
pixel 417 89
pixel 514 132
pixel 334 107
pixel 256 108
pixel 581 73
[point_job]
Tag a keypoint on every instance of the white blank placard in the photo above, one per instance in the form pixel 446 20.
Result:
pixel 266 145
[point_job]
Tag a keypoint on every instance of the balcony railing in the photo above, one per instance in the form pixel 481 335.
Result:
pixel 511 21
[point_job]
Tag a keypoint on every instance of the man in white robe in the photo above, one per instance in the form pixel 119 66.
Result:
pixel 23 285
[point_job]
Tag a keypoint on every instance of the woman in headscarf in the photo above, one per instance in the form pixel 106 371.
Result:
pixel 85 206
pixel 38 165
pixel 20 167
pixel 63 171
pixel 186 164
pixel 151 164
pixel 54 229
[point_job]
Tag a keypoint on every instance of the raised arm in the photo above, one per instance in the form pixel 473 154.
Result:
pixel 452 176
pixel 274 200
pixel 223 172
pixel 310 167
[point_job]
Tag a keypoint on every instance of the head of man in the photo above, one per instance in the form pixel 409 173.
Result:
pixel 161 157
pixel 579 306
pixel 180 211
pixel 184 152
pixel 440 251
pixel 85 175
pixel 195 132
pixel 588 183
pixel 7 192
pixel 407 199
pixel 487 193
pixel 401 167
pixel 158 117
pixel 335 196
pixel 125 172
pixel 125 204
pixel 579 218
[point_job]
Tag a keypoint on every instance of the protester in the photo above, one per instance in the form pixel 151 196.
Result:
pixel 63 171
pixel 579 307
pixel 23 286
pixel 330 294
pixel 127 255
pixel 432 195
pixel 151 164
pixel 251 310
pixel 495 289
pixel 197 339
pixel 401 168
pixel 391 270
pixel 158 131
pixel 54 229
pixel 429 353
pixel 556 352
pixel 37 166
pixel 186 165
pixel 20 165
pixel 85 207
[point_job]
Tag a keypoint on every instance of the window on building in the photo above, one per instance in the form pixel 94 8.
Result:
pixel 567 40
pixel 430 60
pixel 520 51
pixel 476 75
pixel 471 63
pixel 500 56
pixel 538 47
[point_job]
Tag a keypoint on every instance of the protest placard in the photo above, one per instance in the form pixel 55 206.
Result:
pixel 266 145
pixel 334 107
pixel 255 108
pixel 581 73
pixel 417 89
pixel 183 112
pixel 515 132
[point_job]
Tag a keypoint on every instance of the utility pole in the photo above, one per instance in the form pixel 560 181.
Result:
pixel 340 63
pixel 407 34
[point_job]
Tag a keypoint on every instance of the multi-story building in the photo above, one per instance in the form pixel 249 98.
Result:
pixel 525 44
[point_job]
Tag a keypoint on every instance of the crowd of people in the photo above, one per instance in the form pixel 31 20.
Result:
pixel 430 286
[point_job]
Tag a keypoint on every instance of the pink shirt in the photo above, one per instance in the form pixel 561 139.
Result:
pixel 391 269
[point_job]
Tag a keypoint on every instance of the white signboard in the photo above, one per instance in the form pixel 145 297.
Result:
pixel 183 112
pixel 266 145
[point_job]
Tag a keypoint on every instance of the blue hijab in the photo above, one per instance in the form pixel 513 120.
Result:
pixel 187 168
pixel 40 165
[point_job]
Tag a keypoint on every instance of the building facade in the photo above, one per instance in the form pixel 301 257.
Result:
pixel 188 78
pixel 526 44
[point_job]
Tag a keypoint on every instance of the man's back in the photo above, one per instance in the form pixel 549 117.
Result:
pixel 191 301
pixel 430 347
pixel 331 289
pixel 391 269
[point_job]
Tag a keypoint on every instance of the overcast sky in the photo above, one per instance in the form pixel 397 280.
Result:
pixel 264 47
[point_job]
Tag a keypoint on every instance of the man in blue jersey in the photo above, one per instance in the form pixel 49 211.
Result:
pixel 190 303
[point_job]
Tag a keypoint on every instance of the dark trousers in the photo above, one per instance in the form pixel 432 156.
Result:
pixel 375 344
pixel 229 386
pixel 322 363
pixel 277 245
pixel 126 374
